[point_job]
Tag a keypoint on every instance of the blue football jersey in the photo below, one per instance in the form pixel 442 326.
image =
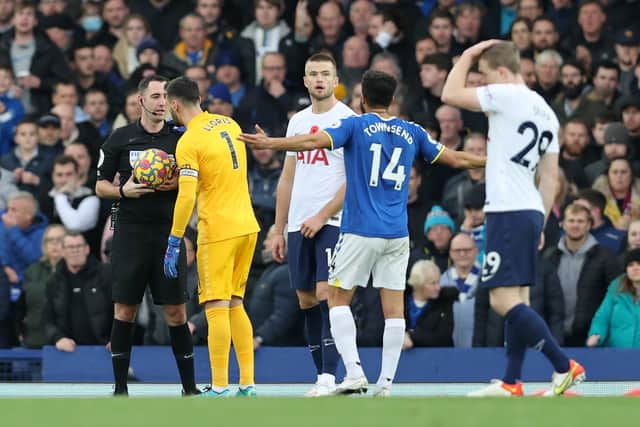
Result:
pixel 378 154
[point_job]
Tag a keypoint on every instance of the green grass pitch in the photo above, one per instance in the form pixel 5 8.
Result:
pixel 329 412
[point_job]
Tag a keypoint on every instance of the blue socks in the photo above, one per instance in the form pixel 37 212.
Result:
pixel 313 328
pixel 525 328
pixel 329 351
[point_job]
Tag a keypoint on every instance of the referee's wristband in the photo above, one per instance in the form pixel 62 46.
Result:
pixel 122 196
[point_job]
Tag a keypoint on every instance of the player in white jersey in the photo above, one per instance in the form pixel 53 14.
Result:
pixel 309 200
pixel 523 140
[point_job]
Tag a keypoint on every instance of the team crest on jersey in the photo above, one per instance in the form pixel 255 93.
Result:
pixel 336 124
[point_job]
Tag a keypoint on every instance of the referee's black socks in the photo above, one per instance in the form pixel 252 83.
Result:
pixel 183 351
pixel 121 342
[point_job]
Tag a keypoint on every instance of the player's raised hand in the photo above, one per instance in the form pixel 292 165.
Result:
pixel 476 50
pixel 132 190
pixel 258 140
pixel 278 248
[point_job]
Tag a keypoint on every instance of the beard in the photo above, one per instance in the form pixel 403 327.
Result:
pixel 573 92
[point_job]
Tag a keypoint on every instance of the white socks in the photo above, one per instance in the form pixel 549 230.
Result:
pixel 343 330
pixel 391 347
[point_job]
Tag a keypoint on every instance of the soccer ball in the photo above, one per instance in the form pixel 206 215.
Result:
pixel 152 167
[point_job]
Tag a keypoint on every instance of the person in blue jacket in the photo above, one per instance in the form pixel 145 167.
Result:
pixel 11 109
pixel 617 321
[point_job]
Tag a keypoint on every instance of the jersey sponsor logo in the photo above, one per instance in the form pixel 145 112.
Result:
pixel 312 157
pixel 189 172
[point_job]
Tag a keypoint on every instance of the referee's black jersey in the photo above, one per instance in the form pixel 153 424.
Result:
pixel 118 154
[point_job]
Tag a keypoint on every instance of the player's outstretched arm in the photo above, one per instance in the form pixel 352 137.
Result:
pixel 454 91
pixel 260 140
pixel 548 173
pixel 461 160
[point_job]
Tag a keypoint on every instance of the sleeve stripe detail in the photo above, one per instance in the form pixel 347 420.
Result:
pixel 330 138
pixel 435 159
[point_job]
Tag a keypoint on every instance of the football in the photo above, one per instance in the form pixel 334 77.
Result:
pixel 152 167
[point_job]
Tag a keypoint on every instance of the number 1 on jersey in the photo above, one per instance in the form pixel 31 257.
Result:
pixel 398 176
pixel 234 158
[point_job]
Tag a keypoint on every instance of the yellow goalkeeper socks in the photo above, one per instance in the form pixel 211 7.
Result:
pixel 219 341
pixel 242 335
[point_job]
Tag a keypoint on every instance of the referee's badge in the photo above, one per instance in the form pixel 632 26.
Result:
pixel 133 156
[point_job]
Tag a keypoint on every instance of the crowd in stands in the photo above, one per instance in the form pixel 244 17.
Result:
pixel 68 77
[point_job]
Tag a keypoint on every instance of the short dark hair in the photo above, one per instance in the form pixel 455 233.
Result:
pixel 9 69
pixel 65 159
pixel 27 121
pixel 276 3
pixel 378 88
pixel 440 14
pixel 322 57
pixel 144 83
pixel 578 121
pixel 572 62
pixel 25 4
pixel 184 89
pixel 72 234
pixel 584 3
pixel 440 60
pixel 594 197
pixel 604 118
pixel 607 65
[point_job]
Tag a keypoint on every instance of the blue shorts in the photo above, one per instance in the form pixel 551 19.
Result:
pixel 309 259
pixel 511 248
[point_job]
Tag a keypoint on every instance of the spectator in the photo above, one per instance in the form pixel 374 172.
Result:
pixel 548 63
pixel 97 108
pixel 83 132
pixel 131 112
pixel 136 28
pixel 272 102
pixel 21 232
pixel 331 35
pixel 575 102
pixel 39 66
pixel 219 100
pixel 433 73
pixel 629 108
pixel 11 111
pixel 441 30
pixel 425 46
pixel 7 10
pixel 591 37
pixel 543 35
pixel 61 30
pixel 86 174
pixel 149 52
pixel 428 308
pixel 633 235
pixel 473 219
pixel 7 187
pixel 355 101
pixel 606 79
pixel 456 187
pixel 114 14
pixel 616 321
pixel 563 13
pixel 69 203
pixel 90 18
pixel 545 297
pixel 574 152
pixel 360 14
pixel 616 144
pixel 261 36
pixel 622 190
pixel 438 228
pixel 564 193
pixel 295 46
pixel 79 307
pixel 601 227
pixel 228 69
pixel 355 60
pixel 164 16
pixel 193 47
pixel 103 63
pixel 529 9
pixel 30 167
pixel 599 125
pixel 273 306
pixel 198 74
pixel 417 208
pixel 66 92
pixel 468 22
pixel 520 34
pixel 215 26
pixel 585 269
pixel 528 71
pixel 627 47
pixel 49 141
pixel 464 275
pixel 32 305
pixel 392 37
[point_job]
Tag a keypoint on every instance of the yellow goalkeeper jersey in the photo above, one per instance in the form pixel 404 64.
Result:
pixel 213 166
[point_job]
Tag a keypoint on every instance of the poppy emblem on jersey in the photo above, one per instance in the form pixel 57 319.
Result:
pixel 314 129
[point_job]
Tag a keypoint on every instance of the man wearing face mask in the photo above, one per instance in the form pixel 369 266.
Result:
pixel 575 101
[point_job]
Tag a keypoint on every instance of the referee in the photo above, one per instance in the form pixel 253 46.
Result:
pixel 142 225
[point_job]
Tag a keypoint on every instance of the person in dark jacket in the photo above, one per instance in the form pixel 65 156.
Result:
pixel 32 306
pixel 79 306
pixel 585 269
pixel 545 298
pixel 428 308
pixel 46 62
pixel 273 306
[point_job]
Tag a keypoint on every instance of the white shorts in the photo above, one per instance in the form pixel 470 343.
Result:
pixel 355 258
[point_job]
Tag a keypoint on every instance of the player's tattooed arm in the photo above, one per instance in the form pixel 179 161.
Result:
pixel 304 142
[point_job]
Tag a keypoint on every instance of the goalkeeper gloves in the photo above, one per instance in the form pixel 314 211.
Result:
pixel 171 257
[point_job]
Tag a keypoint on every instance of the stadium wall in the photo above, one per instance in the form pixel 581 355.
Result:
pixel 294 365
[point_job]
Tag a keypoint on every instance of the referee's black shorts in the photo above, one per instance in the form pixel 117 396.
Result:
pixel 137 256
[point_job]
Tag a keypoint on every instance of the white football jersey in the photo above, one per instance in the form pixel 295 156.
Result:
pixel 522 128
pixel 319 173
